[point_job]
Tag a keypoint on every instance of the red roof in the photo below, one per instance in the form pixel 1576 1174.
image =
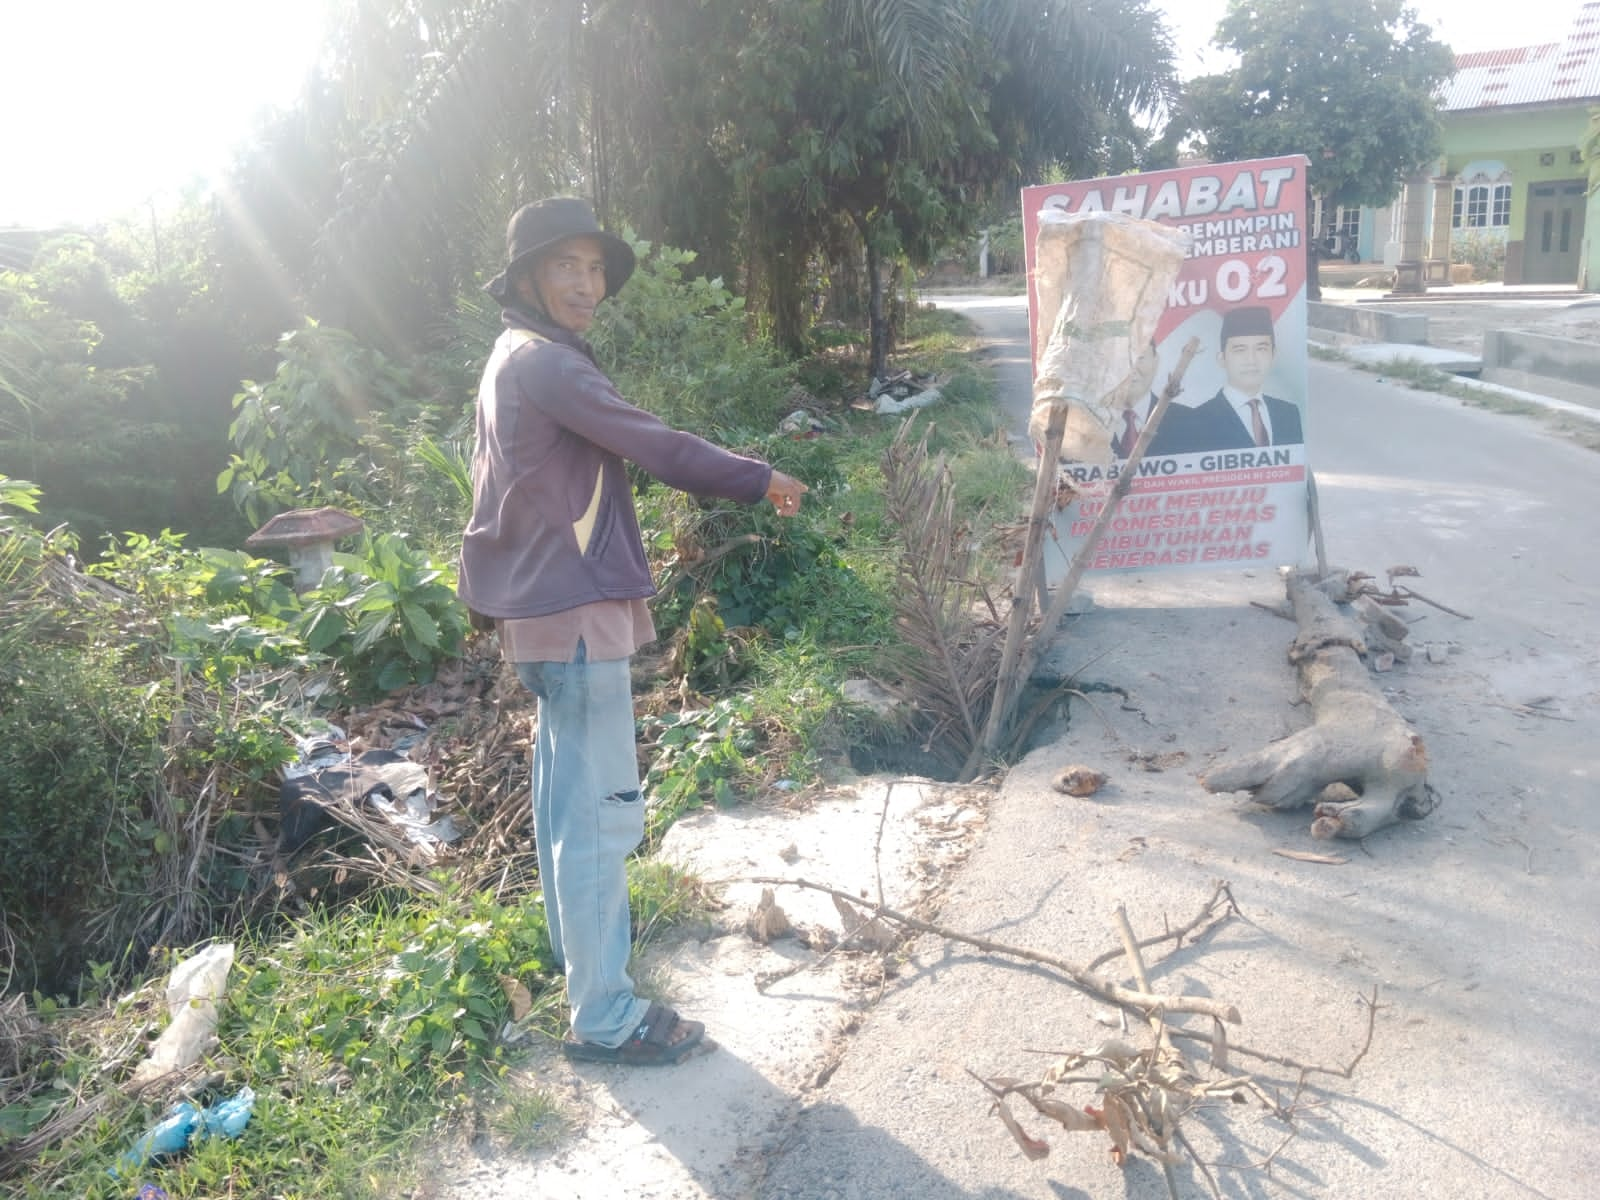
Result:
pixel 1562 72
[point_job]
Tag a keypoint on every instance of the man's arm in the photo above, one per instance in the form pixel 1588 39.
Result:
pixel 572 391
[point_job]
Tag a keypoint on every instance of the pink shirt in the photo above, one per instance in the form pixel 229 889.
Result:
pixel 610 629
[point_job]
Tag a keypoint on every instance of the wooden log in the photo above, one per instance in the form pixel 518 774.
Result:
pixel 1356 739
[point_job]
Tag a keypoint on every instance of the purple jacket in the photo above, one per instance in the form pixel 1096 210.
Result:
pixel 552 523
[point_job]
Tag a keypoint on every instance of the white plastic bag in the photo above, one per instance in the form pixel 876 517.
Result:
pixel 196 985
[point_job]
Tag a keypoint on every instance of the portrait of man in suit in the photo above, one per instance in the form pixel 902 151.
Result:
pixel 1135 405
pixel 1240 415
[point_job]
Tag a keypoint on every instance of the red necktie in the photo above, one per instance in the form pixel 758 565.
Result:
pixel 1258 427
pixel 1130 432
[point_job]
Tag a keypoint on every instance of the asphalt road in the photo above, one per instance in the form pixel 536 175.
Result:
pixel 1477 926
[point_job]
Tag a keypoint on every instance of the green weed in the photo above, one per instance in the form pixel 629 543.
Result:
pixel 700 755
pixel 662 896
pixel 360 1033
pixel 528 1118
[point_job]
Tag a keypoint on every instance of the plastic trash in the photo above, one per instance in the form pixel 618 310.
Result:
pixel 196 985
pixel 183 1125
pixel 322 745
pixel 149 1191
pixel 169 1136
pixel 227 1118
pixel 888 405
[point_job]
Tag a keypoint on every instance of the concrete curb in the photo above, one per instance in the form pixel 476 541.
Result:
pixel 1377 353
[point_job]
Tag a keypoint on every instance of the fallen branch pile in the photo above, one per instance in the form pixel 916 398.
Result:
pixel 1137 1096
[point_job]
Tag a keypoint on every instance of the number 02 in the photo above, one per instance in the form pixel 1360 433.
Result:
pixel 1233 279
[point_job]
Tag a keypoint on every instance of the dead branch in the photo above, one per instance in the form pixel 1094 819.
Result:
pixel 946 668
pixel 1306 1070
pixel 1203 921
pixel 1142 1002
pixel 1357 743
pixel 1144 1094
pixel 1410 594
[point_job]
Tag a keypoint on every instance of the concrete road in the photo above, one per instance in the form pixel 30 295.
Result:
pixel 1479 926
pixel 1003 321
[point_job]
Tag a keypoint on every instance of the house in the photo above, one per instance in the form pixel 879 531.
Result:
pixel 1512 186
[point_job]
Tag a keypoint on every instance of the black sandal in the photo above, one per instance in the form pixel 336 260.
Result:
pixel 652 1044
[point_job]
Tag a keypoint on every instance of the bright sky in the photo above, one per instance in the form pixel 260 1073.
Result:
pixel 105 104
pixel 1463 25
pixel 108 104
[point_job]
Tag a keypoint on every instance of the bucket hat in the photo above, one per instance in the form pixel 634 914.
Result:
pixel 537 227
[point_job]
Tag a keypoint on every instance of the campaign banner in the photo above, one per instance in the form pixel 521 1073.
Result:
pixel 1224 479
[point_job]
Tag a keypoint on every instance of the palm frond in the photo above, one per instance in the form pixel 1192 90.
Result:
pixel 950 634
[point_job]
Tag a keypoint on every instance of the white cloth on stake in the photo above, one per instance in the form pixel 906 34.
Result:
pixel 1101 280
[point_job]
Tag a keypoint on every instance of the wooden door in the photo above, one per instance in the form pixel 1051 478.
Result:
pixel 1554 232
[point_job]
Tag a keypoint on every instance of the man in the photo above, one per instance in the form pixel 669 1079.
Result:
pixel 1240 415
pixel 553 554
pixel 1134 405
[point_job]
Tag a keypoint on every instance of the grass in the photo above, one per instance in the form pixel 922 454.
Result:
pixel 528 1118
pixel 1424 378
pixel 365 1034
pixel 374 1030
pixel 1014 284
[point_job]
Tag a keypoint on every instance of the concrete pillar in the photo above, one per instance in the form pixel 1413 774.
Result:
pixel 1438 262
pixel 1410 272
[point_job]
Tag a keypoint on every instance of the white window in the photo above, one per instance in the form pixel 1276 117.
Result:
pixel 1482 197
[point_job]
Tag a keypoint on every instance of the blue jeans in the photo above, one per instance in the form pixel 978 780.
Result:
pixel 588 815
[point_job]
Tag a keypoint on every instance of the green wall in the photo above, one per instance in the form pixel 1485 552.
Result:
pixel 1518 137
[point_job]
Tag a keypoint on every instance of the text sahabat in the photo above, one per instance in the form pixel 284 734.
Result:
pixel 1185 198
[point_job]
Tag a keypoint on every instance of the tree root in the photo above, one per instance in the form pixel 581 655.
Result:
pixel 1359 763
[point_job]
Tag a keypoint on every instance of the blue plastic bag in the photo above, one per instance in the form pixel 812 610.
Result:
pixel 186 1123
pixel 169 1136
pixel 227 1118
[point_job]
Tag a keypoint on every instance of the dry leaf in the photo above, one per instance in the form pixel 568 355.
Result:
pixel 1072 1118
pixel 1116 1052
pixel 518 996
pixel 1219 1046
pixel 1030 1145
pixel 1079 780
pixel 1118 1125
pixel 1332 860
pixel 871 934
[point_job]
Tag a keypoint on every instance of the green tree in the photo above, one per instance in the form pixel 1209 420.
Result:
pixel 889 134
pixel 1352 86
pixel 761 135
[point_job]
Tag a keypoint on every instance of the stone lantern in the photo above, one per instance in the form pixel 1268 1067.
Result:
pixel 308 534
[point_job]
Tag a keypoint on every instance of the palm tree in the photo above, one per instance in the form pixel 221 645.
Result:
pixel 751 131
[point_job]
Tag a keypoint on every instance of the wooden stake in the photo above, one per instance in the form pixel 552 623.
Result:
pixel 1044 492
pixel 1314 512
pixel 1000 712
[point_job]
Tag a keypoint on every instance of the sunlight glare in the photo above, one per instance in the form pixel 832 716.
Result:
pixel 109 105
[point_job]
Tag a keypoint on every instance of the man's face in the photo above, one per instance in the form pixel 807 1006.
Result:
pixel 570 280
pixel 1246 361
pixel 1144 370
